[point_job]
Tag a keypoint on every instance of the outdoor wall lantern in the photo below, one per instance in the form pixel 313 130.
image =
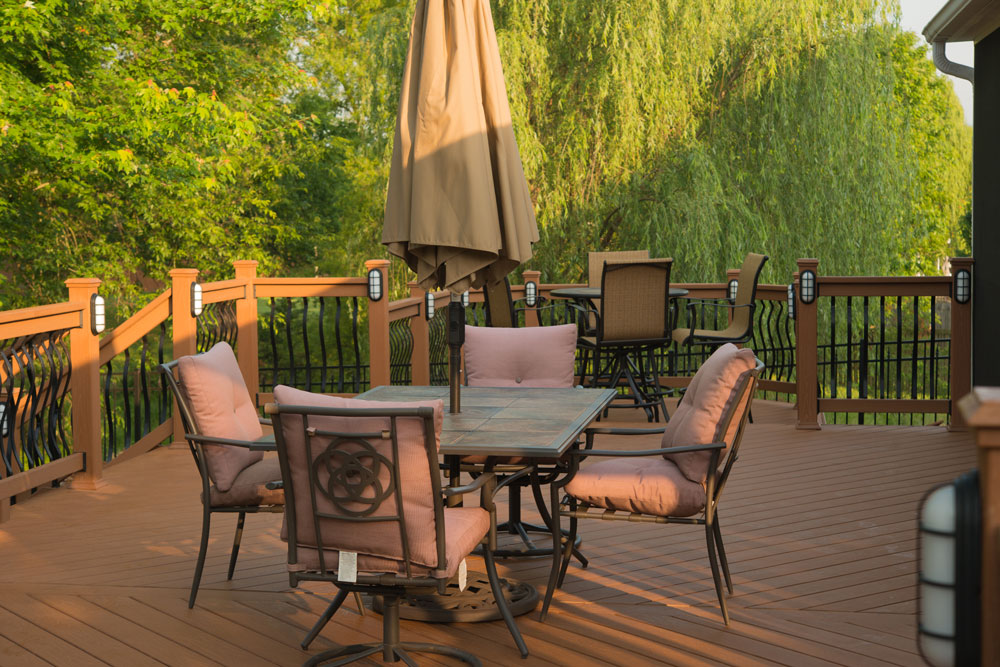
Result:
pixel 530 293
pixel 963 286
pixel 734 285
pixel 465 299
pixel 429 306
pixel 3 421
pixel 375 284
pixel 97 319
pixel 791 301
pixel 197 303
pixel 807 286
pixel 950 558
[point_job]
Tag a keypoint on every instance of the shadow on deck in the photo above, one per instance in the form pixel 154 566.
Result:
pixel 820 529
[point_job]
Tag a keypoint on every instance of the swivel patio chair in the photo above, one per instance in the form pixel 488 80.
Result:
pixel 682 481
pixel 227 442
pixel 366 511
pixel 740 316
pixel 595 270
pixel 525 357
pixel 633 324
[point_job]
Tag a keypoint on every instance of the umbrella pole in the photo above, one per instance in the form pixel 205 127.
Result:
pixel 456 338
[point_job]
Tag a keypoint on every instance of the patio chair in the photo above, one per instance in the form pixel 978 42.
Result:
pixel 682 481
pixel 740 316
pixel 595 270
pixel 227 442
pixel 634 322
pixel 525 357
pixel 366 511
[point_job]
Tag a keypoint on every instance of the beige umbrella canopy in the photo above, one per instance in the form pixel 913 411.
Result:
pixel 458 209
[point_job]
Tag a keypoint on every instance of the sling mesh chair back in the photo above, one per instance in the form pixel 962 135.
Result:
pixel 683 480
pixel 634 323
pixel 740 312
pixel 226 439
pixel 595 270
pixel 365 509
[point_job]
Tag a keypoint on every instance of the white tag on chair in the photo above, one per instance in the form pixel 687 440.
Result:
pixel 463 575
pixel 347 569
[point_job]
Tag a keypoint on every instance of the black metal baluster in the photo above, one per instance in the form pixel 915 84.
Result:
pixel 126 406
pixel 850 348
pixel 357 349
pixel 340 348
pixel 111 435
pixel 863 379
pixel 322 343
pixel 883 361
pixel 144 382
pixel 305 342
pixel 274 347
pixel 288 342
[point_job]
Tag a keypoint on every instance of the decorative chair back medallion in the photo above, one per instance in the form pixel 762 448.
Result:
pixel 353 476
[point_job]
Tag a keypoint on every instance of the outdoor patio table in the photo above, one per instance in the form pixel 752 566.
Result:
pixel 535 423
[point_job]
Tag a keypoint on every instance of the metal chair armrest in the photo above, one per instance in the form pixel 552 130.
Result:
pixel 262 444
pixel 478 483
pixel 584 453
pixel 611 430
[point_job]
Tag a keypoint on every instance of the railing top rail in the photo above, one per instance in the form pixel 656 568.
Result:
pixel 223 290
pixel 885 280
pixel 134 328
pixel 41 319
pixel 306 287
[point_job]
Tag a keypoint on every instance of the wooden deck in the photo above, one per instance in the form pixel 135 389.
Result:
pixel 820 528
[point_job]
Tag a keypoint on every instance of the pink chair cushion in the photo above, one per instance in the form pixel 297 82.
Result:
pixel 250 486
pixel 464 528
pixel 382 538
pixel 525 357
pixel 221 405
pixel 698 419
pixel 650 485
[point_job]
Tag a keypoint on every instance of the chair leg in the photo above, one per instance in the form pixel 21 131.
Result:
pixel 714 562
pixel 508 618
pixel 324 618
pixel 656 385
pixel 202 550
pixel 536 491
pixel 556 554
pixel 570 539
pixel 717 531
pixel 236 545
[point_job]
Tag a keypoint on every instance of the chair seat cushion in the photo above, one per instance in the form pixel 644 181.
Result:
pixel 525 357
pixel 464 528
pixel 249 486
pixel 700 418
pixel 221 407
pixel 649 485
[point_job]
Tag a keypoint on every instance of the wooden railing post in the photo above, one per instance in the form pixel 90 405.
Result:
pixel 185 327
pixel 85 386
pixel 420 355
pixel 246 326
pixel 531 313
pixel 961 344
pixel 981 410
pixel 806 353
pixel 378 328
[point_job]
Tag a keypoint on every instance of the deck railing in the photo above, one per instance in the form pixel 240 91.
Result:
pixel 863 346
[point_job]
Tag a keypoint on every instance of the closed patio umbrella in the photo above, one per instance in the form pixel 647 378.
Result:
pixel 458 211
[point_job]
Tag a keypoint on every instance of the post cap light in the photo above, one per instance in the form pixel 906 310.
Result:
pixel 807 286
pixel 197 304
pixel 97 319
pixel 734 285
pixel 375 284
pixel 791 301
pixel 465 299
pixel 530 293
pixel 429 306
pixel 963 286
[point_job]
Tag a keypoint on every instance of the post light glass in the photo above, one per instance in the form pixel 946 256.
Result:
pixel 429 306
pixel 375 284
pixel 791 301
pixel 807 286
pixel 963 286
pixel 465 299
pixel 197 303
pixel 734 285
pixel 530 293
pixel 97 319
pixel 4 430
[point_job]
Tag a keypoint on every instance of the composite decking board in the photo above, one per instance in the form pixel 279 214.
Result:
pixel 12 653
pixel 834 522
pixel 42 641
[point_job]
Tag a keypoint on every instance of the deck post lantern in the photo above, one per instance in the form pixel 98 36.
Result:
pixel 465 299
pixel 950 559
pixel 375 284
pixel 734 285
pixel 530 293
pixel 963 286
pixel 97 317
pixel 429 306
pixel 791 301
pixel 807 286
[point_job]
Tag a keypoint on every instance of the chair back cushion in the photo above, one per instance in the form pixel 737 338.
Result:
pixel 525 357
pixel 703 414
pixel 220 404
pixel 372 495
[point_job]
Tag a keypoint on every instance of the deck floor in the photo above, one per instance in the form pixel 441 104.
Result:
pixel 820 528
